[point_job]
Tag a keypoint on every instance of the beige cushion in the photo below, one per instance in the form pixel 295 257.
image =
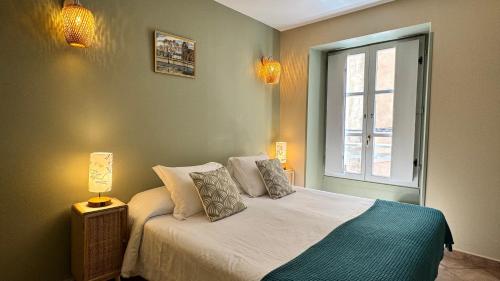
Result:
pixel 246 173
pixel 274 178
pixel 182 189
pixel 218 193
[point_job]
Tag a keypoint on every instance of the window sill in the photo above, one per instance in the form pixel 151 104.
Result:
pixel 412 185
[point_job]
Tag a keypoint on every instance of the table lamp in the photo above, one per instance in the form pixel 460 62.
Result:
pixel 281 152
pixel 100 177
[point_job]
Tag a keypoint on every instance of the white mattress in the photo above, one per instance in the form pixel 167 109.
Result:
pixel 245 246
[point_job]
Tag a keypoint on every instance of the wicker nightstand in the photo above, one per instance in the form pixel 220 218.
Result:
pixel 290 174
pixel 98 241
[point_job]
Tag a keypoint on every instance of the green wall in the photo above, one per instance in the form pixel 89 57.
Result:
pixel 58 104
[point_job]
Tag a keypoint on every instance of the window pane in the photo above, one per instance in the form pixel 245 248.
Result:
pixel 383 113
pixel 355 80
pixel 352 154
pixel 386 60
pixel 382 156
pixel 354 114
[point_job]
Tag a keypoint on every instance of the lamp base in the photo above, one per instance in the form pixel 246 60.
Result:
pixel 96 202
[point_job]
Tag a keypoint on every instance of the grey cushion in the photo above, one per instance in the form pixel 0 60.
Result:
pixel 218 193
pixel 274 177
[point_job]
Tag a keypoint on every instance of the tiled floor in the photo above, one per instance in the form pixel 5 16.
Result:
pixel 457 266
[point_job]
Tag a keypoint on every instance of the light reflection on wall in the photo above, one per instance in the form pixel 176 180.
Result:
pixel 39 27
pixel 293 97
pixel 43 22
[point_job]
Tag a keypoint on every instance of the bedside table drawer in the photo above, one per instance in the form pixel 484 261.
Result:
pixel 98 241
pixel 102 227
pixel 103 233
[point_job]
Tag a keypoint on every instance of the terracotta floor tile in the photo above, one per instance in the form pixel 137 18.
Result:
pixel 495 271
pixel 457 264
pixel 453 260
pixel 474 275
pixel 446 275
pixel 458 259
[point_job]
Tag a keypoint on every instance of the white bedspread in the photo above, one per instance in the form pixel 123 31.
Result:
pixel 245 246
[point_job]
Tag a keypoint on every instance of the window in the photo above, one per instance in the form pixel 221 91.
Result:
pixel 373 114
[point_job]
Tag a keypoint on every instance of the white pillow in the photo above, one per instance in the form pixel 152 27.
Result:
pixel 182 189
pixel 143 206
pixel 152 202
pixel 230 169
pixel 245 172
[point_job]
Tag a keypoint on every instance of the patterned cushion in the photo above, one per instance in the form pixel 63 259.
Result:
pixel 219 194
pixel 274 178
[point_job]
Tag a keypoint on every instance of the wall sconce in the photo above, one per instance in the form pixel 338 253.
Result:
pixel 270 70
pixel 79 24
pixel 100 177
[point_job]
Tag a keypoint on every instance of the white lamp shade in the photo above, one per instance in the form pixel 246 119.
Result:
pixel 281 151
pixel 100 172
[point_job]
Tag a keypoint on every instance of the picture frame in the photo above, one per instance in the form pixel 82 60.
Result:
pixel 174 55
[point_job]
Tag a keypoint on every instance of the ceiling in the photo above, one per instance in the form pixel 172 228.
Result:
pixel 288 14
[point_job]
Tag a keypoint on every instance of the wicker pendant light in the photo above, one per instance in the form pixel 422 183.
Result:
pixel 79 24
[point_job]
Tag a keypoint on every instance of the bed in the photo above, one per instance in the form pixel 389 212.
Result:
pixel 308 235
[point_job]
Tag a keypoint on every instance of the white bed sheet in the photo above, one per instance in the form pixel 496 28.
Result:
pixel 245 246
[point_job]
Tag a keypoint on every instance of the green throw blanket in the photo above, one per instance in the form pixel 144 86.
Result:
pixel 389 242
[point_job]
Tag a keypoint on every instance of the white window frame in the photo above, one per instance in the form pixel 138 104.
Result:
pixel 368 112
pixel 363 134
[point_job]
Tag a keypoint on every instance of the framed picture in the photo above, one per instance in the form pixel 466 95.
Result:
pixel 174 55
